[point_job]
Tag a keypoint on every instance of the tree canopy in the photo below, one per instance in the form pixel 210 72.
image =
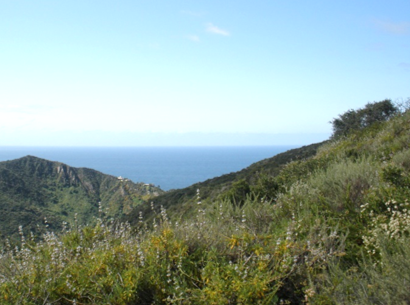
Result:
pixel 363 117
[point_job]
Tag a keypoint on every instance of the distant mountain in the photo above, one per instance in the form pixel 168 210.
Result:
pixel 34 191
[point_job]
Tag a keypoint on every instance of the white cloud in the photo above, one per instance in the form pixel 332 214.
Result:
pixel 215 30
pixel 193 38
pixel 397 28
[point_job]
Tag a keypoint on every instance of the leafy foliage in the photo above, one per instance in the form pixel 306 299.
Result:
pixel 237 193
pixel 362 118
pixel 331 229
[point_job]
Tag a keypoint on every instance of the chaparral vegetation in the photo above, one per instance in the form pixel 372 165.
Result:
pixel 333 228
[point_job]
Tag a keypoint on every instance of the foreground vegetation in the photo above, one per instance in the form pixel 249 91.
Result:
pixel 332 229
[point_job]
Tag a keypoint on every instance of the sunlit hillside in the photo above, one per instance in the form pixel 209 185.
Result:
pixel 333 228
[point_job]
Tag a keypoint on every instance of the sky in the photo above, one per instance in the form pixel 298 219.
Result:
pixel 194 73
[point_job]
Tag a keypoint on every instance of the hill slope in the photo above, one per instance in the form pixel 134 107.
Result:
pixel 32 189
pixel 177 201
pixel 336 230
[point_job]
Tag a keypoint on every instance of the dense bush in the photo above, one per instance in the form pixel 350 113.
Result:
pixel 372 113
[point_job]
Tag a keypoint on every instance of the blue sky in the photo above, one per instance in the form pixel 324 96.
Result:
pixel 153 73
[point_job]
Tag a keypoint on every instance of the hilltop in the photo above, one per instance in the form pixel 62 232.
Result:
pixel 33 190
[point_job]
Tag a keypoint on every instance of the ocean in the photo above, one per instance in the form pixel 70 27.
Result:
pixel 166 167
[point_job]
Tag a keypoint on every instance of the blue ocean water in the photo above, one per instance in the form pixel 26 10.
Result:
pixel 167 167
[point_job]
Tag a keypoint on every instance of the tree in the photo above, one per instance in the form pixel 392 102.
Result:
pixel 363 117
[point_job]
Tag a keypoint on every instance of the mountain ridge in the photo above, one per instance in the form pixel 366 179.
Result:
pixel 33 188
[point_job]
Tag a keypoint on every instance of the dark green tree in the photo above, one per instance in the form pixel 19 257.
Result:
pixel 363 117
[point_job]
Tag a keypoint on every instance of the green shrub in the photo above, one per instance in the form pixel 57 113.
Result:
pixel 344 184
pixel 383 281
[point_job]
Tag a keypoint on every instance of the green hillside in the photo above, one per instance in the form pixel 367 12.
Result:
pixel 180 201
pixel 333 228
pixel 33 190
